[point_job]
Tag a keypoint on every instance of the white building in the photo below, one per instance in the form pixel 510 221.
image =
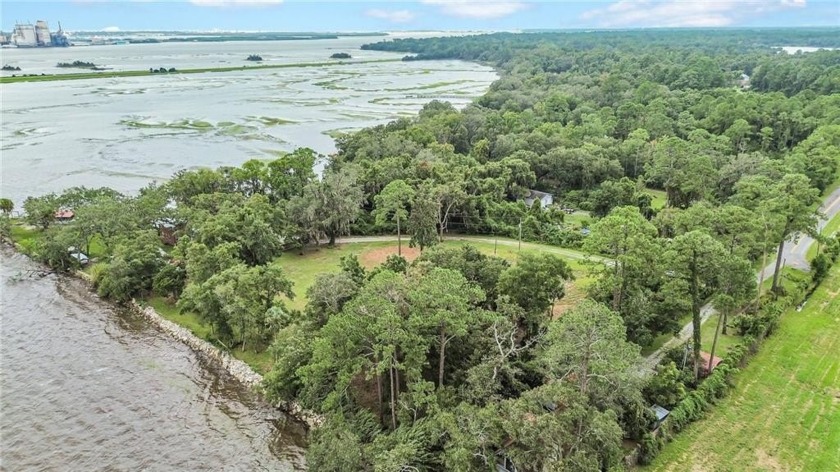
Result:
pixel 545 199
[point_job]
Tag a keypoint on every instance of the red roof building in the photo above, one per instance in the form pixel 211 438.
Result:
pixel 704 363
pixel 64 215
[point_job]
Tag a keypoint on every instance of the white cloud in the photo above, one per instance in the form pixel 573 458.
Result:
pixel 675 13
pixel 235 3
pixel 481 10
pixel 111 29
pixel 394 16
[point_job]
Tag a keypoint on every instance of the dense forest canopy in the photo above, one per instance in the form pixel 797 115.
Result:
pixel 457 361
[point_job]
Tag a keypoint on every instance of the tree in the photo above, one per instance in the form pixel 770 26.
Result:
pixel 478 268
pixel 246 295
pixel 351 266
pixel 53 248
pixel 253 224
pixel 423 219
pixel 238 300
pixel 328 294
pixel 392 203
pixel 370 339
pixel 170 280
pixel 535 283
pixel 588 348
pixel 107 217
pixel 818 156
pixel 188 184
pixel 40 211
pixel 132 268
pixel 792 203
pixel 287 176
pixel 448 196
pixel 666 387
pixel 624 236
pixel 630 280
pixel 443 301
pixel 5 226
pixel 694 262
pixel 330 206
pixel 203 262
pixel 683 169
pixel 611 194
pixel 6 205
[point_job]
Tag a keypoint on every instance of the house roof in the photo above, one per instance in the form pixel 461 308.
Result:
pixel 705 356
pixel 660 412
pixel 537 194
pixel 64 214
pixel 79 256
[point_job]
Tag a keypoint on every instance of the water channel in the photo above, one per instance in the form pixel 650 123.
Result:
pixel 88 387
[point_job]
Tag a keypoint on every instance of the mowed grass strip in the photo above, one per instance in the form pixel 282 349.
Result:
pixel 784 412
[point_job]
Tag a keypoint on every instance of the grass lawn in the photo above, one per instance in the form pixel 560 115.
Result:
pixel 578 219
pixel 784 412
pixel 659 198
pixel 707 336
pixel 832 227
pixel 788 279
pixel 187 320
pixel 260 361
pixel 660 340
pixel 302 269
pixel 24 235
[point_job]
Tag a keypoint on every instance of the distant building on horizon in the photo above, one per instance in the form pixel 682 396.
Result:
pixel 27 35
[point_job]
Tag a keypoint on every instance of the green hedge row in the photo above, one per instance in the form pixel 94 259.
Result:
pixel 755 329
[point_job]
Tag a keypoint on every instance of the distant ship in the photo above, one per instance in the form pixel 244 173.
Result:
pixel 27 35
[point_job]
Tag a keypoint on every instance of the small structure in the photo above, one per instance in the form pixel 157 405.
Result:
pixel 545 198
pixel 64 215
pixel 167 230
pixel 78 255
pixel 503 462
pixel 704 363
pixel 661 414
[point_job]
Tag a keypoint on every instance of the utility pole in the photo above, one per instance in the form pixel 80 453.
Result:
pixel 520 234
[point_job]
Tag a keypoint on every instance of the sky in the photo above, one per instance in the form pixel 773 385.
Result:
pixel 460 15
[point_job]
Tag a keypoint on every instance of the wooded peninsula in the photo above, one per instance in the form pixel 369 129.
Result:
pixel 670 165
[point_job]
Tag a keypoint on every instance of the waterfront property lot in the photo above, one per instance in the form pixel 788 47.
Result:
pixel 303 268
pixel 784 413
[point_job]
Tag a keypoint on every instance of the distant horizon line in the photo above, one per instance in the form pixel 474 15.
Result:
pixel 397 31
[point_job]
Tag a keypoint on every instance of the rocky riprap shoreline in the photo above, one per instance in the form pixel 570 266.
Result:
pixel 233 366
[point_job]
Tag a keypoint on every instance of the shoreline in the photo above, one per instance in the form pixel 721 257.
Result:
pixel 146 73
pixel 239 370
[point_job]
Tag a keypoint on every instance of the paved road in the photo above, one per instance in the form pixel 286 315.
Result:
pixel 794 255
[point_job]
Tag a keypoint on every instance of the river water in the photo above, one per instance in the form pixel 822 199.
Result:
pixel 126 132
pixel 87 387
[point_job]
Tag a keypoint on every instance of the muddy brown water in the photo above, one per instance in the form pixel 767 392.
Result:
pixel 85 386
